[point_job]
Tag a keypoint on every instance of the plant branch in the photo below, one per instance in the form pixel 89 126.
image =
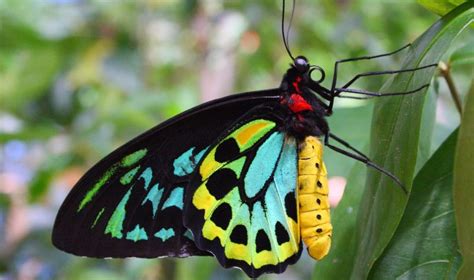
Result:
pixel 445 71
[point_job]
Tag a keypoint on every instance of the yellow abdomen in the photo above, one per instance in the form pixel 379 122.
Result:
pixel 314 216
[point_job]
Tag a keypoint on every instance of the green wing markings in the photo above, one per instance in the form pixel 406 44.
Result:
pixel 115 224
pixel 126 161
pixel 248 134
pixel 98 217
pixel 237 165
pixel 128 177
pixel 138 233
pixel 92 192
pixel 133 158
pixel 165 234
pixel 183 165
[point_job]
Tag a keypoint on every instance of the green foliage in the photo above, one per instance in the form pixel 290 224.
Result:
pixel 396 134
pixel 44 177
pixel 463 187
pixel 395 138
pixel 441 7
pixel 463 55
pixel 424 246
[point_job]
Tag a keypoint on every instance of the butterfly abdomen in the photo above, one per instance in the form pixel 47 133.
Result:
pixel 315 223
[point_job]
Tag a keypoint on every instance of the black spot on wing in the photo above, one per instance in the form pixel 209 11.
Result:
pixel 262 241
pixel 222 215
pixel 281 233
pixel 227 150
pixel 221 182
pixel 290 206
pixel 239 235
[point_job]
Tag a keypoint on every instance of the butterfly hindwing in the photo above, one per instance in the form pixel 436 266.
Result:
pixel 130 203
pixel 241 203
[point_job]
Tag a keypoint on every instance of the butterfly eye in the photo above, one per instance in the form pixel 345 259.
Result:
pixel 320 70
pixel 301 64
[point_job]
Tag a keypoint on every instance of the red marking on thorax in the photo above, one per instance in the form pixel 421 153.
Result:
pixel 296 85
pixel 296 101
pixel 297 104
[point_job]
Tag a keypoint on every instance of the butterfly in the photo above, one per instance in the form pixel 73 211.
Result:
pixel 241 178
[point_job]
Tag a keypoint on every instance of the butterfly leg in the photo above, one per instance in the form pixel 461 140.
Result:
pixel 371 94
pixel 376 73
pixel 359 156
pixel 335 91
pixel 344 143
pixel 334 78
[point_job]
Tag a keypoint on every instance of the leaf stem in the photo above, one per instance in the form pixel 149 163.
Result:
pixel 445 71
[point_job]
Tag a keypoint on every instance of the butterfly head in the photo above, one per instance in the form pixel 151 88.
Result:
pixel 301 64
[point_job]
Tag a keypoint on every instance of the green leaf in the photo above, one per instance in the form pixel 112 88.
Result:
pixel 354 117
pixel 395 138
pixel 425 245
pixel 464 55
pixel 41 182
pixel 25 73
pixel 38 131
pixel 428 120
pixel 338 263
pixel 464 187
pixel 441 7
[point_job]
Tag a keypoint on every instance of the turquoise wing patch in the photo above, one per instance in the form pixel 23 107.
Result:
pixel 243 205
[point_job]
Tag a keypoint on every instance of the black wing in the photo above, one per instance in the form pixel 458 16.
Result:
pixel 130 203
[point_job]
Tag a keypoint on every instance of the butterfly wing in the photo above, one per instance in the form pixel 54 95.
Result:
pixel 130 203
pixel 241 202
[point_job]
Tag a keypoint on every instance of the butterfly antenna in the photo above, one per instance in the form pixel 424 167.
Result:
pixel 288 28
pixel 285 37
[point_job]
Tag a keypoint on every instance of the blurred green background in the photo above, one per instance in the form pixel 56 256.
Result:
pixel 79 78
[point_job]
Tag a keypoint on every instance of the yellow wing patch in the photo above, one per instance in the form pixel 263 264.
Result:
pixel 249 133
pixel 245 137
pixel 258 233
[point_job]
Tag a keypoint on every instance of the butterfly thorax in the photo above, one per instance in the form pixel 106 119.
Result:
pixel 305 116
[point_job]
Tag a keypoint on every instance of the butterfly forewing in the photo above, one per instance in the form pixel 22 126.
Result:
pixel 241 203
pixel 130 203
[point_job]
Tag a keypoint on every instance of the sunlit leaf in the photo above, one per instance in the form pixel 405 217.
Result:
pixel 441 7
